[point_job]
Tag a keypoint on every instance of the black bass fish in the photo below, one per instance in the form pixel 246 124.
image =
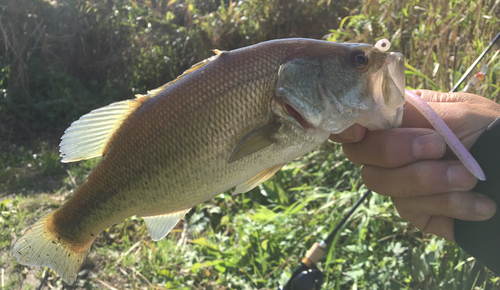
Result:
pixel 230 121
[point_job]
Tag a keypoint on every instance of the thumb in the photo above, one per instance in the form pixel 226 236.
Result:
pixel 355 133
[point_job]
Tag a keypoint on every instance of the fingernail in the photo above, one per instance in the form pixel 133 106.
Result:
pixel 459 177
pixel 428 146
pixel 485 207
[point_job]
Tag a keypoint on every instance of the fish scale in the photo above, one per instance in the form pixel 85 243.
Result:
pixel 220 125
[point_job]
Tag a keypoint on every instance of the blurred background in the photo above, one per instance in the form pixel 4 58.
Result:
pixel 60 59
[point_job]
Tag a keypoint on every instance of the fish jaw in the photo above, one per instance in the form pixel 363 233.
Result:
pixel 297 98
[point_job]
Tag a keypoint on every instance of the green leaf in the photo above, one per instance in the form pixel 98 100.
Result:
pixel 196 266
pixel 263 244
pixel 204 242
pixel 165 272
pixel 169 15
pixel 413 71
pixel 220 269
pixel 263 214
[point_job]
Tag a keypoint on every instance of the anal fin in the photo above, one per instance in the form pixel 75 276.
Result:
pixel 160 225
pixel 257 179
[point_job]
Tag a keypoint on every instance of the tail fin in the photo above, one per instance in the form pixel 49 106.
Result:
pixel 41 246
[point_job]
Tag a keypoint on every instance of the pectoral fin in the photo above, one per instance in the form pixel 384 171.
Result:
pixel 257 179
pixel 255 141
pixel 160 225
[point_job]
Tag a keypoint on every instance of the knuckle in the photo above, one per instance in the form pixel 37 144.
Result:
pixel 430 176
pixel 448 201
pixel 394 149
pixel 404 214
pixel 401 205
pixel 384 152
pixel 455 204
pixel 418 179
pixel 470 182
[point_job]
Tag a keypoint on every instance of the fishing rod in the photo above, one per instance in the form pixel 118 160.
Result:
pixel 307 276
pixel 43 279
pixel 469 70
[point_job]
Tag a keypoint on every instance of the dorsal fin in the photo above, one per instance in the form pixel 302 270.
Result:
pixel 196 66
pixel 160 225
pixel 88 136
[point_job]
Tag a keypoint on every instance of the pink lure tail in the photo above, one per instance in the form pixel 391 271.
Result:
pixel 456 146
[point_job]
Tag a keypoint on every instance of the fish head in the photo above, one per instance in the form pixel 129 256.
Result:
pixel 332 86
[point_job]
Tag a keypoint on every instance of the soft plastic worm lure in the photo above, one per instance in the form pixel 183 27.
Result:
pixel 456 146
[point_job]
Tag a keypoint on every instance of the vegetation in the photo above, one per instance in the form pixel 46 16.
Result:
pixel 60 59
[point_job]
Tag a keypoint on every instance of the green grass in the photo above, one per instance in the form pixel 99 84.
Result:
pixel 251 240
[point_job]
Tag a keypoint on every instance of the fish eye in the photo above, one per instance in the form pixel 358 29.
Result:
pixel 359 59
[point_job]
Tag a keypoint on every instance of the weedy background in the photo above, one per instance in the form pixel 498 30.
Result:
pixel 60 59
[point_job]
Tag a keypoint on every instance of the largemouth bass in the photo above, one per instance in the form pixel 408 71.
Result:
pixel 231 121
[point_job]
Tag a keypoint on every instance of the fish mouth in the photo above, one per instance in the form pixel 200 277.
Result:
pixel 297 116
pixel 396 71
pixel 387 89
pixel 393 88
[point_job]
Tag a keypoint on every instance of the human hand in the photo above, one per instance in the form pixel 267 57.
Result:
pixel 428 186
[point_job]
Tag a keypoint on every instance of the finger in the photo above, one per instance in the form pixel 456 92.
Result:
pixel 434 214
pixel 397 147
pixel 355 133
pixel 420 178
pixel 458 116
pixel 438 225
pixel 468 206
pixel 461 97
pixel 466 114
